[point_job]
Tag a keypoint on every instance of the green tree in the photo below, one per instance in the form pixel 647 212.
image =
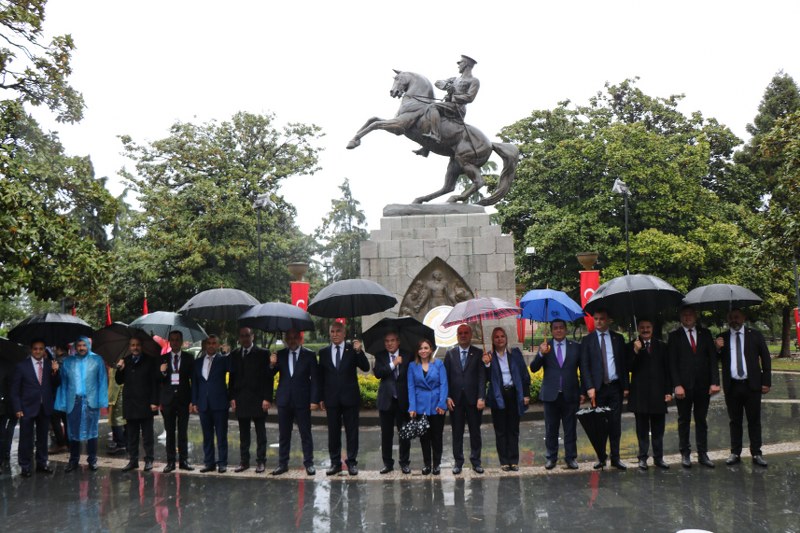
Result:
pixel 341 233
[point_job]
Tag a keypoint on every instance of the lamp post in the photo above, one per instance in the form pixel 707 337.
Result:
pixel 263 201
pixel 530 251
pixel 621 188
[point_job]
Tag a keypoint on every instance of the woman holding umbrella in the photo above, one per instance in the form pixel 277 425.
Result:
pixel 508 397
pixel 427 395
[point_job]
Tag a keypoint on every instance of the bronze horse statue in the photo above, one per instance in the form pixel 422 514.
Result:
pixel 466 146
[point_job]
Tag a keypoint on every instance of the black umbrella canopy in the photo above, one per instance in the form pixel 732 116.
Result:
pixel 112 342
pixel 350 298
pixel 162 322
pixel 594 422
pixel 275 317
pixel 721 297
pixel 634 295
pixel 11 352
pixel 53 328
pixel 409 331
pixel 218 304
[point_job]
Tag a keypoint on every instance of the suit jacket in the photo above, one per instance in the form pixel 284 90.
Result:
pixel 300 389
pixel 339 386
pixel 251 381
pixel 469 382
pixel 179 396
pixel 754 349
pixel 426 393
pixel 592 362
pixel 688 369
pixel 27 395
pixel 650 380
pixel 141 388
pixel 211 394
pixel 391 386
pixel 565 376
pixel 6 374
pixel 519 375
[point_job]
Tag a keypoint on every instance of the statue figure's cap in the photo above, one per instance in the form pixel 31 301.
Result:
pixel 472 61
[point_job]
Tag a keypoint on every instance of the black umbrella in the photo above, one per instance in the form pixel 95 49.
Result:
pixel 721 297
pixel 218 304
pixel 112 342
pixel 416 427
pixel 627 297
pixel 409 331
pixel 594 421
pixel 53 328
pixel 162 322
pixel 11 352
pixel 275 317
pixel 350 298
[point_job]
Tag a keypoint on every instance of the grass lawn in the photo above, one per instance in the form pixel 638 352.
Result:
pixel 786 363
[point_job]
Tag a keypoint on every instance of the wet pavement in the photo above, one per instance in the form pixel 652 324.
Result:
pixel 739 498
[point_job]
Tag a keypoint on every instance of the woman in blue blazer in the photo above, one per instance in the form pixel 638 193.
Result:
pixel 427 395
pixel 508 397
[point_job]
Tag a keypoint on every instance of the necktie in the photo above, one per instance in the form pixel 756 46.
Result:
pixel 560 357
pixel 294 362
pixel 463 359
pixel 647 346
pixel 739 356
pixel 691 341
pixel 245 351
pixel 176 362
pixel 604 357
pixel 135 359
pixel 207 366
pixel 338 356
pixel 396 369
pixel 39 371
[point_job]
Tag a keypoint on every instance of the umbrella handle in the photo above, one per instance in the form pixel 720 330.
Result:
pixel 594 403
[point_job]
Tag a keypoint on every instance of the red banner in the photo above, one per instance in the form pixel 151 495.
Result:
pixel 300 296
pixel 797 324
pixel 590 280
pixel 520 328
pixel 108 314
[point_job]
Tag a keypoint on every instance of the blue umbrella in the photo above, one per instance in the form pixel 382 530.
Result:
pixel 546 305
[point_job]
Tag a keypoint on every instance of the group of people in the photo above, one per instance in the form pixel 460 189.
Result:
pixel 602 368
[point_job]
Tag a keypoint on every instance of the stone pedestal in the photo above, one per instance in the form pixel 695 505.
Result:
pixel 468 243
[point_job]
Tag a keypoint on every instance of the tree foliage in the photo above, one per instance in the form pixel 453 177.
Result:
pixel 341 233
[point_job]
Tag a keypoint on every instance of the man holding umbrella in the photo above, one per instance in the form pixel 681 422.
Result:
pixel 391 367
pixel 177 368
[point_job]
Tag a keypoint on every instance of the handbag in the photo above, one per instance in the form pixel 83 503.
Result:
pixel 416 427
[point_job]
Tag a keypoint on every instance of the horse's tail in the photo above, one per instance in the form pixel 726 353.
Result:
pixel 510 155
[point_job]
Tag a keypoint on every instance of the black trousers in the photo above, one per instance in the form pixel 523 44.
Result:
pixel 696 401
pixel 7 425
pixel 26 439
pixel 133 428
pixel 470 416
pixel 741 400
pixel 647 424
pixel 75 451
pixel 390 419
pixel 432 441
pixel 176 418
pixel 287 417
pixel 58 423
pixel 260 423
pixel 610 395
pixel 347 416
pixel 506 428
pixel 561 413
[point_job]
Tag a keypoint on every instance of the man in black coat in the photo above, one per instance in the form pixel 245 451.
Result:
pixel 33 388
pixel 297 396
pixel 251 397
pixel 341 396
pixel 650 392
pixel 466 395
pixel 560 393
pixel 694 372
pixel 176 395
pixel 604 375
pixel 746 376
pixel 140 375
pixel 391 367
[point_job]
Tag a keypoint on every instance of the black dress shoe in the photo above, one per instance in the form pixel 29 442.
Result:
pixel 599 465
pixel 169 468
pixel 759 460
pixel 260 467
pixel 733 459
pixel 478 469
pixel 686 461
pixel 642 464
pixel 352 470
pixel 26 473
pixel 426 471
pixel 184 465
pixel 333 470
pixel 386 469
pixel 222 469
pixel 241 468
pixel 456 470
pixel 70 467
pixel 310 471
pixel 406 469
pixel 207 468
pixel 44 469
pixel 619 465
pixel 572 464
pixel 436 471
pixel 661 464
pixel 148 466
pixel 93 467
pixel 132 465
pixel 549 464
pixel 703 459
pixel 514 468
pixel 282 469
pixel 505 468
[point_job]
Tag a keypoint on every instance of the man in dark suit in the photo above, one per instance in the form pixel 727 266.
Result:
pixel 391 367
pixel 210 401
pixel 694 372
pixel 466 389
pixel 251 397
pixel 33 388
pixel 341 397
pixel 297 396
pixel 746 376
pixel 176 394
pixel 604 376
pixel 560 393
pixel 140 377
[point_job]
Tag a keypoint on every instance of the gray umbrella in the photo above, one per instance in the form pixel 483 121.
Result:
pixel 721 297
pixel 276 316
pixel 218 304
pixel 111 342
pixel 350 298
pixel 53 328
pixel 627 297
pixel 162 322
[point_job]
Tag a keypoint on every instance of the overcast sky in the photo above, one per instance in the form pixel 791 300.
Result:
pixel 144 65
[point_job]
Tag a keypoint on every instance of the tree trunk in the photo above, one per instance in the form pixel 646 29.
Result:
pixel 786 332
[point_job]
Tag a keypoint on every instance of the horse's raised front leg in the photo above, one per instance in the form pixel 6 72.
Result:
pixel 474 175
pixel 450 178
pixel 395 125
pixel 356 140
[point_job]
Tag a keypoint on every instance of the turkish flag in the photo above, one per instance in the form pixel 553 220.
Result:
pixel 108 314
pixel 797 324
pixel 300 296
pixel 590 280
pixel 145 310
